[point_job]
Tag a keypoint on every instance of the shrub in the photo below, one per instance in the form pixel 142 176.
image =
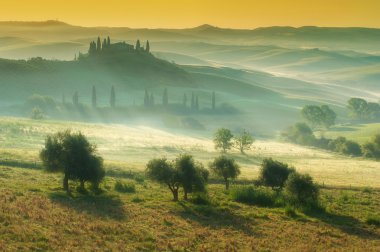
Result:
pixel 372 149
pixel 274 173
pixel 344 146
pixel 254 196
pixel 301 190
pixel 37 114
pixel 201 199
pixel 300 133
pixel 124 187
pixel 373 220
pixel 290 211
pixel 137 199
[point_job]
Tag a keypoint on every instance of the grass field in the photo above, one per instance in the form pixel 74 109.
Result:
pixel 36 215
pixel 361 133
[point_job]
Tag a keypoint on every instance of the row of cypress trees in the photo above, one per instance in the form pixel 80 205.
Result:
pixel 194 105
pixel 148 99
pixel 98 46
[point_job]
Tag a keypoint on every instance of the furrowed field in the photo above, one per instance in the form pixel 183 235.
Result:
pixel 35 214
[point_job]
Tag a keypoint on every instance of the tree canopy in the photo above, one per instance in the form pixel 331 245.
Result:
pixel 226 168
pixel 74 156
pixel 223 139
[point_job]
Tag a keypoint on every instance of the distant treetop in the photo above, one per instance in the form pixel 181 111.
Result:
pixel 98 47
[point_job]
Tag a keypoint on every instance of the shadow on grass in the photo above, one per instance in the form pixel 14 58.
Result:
pixel 346 224
pixel 103 205
pixel 215 217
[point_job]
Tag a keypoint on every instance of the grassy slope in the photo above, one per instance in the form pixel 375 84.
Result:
pixel 36 215
pixel 130 147
pixel 361 133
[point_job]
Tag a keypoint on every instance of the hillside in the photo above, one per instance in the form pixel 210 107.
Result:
pixel 37 215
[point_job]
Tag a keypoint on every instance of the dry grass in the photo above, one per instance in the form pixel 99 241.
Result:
pixel 36 215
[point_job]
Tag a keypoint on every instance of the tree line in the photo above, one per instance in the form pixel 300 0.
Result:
pixel 98 47
pixel 74 156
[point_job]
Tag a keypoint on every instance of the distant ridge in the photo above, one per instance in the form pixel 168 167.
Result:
pixel 196 28
pixel 36 23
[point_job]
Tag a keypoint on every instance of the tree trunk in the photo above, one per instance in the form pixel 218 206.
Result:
pixel 175 194
pixel 66 183
pixel 227 183
pixel 82 185
pixel 185 195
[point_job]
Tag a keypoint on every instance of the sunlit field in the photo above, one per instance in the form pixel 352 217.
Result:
pixel 130 147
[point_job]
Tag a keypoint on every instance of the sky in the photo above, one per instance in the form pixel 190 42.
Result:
pixel 191 13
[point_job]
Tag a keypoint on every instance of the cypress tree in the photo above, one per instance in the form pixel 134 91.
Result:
pixel 213 101
pixel 146 98
pixel 98 45
pixel 147 47
pixel 113 97
pixel 108 41
pixel 192 101
pixel 138 45
pixel 92 49
pixel 165 98
pixel 104 43
pixel 151 100
pixel 93 97
pixel 184 102
pixel 196 103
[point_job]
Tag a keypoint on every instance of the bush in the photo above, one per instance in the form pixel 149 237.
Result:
pixel 124 187
pixel 301 191
pixel 290 211
pixel 274 173
pixel 344 146
pixel 254 196
pixel 372 149
pixel 201 199
pixel 373 220
pixel 300 133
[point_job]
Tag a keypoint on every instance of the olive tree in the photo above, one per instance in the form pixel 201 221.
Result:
pixel 193 176
pixel 226 168
pixel 243 141
pixel 74 156
pixel 274 173
pixel 164 172
pixel 301 190
pixel 223 139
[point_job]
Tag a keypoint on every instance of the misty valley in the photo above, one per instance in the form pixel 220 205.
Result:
pixel 197 139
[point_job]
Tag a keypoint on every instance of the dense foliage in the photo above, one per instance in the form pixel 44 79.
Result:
pixel 223 139
pixel 316 116
pixel 274 173
pixel 225 168
pixel 74 156
pixel 243 141
pixel 301 190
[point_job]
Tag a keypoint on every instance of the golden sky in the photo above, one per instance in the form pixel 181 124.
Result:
pixel 190 13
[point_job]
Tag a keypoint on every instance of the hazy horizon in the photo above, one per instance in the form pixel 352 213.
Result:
pixel 240 14
pixel 177 28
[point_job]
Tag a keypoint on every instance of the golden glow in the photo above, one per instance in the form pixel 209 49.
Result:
pixel 190 13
